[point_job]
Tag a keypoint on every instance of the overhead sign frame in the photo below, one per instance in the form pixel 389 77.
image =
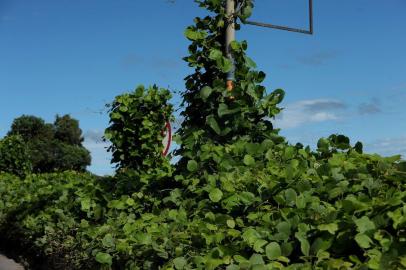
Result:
pixel 308 31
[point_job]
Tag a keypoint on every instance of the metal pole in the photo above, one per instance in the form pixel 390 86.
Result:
pixel 230 37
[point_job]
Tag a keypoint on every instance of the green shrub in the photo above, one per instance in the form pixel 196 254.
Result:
pixel 14 156
pixel 137 120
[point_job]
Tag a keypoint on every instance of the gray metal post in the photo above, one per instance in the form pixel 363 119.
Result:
pixel 230 37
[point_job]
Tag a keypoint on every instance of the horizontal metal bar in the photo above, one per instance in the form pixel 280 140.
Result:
pixel 291 29
pixel 279 27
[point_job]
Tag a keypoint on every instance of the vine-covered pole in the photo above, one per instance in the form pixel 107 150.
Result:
pixel 230 37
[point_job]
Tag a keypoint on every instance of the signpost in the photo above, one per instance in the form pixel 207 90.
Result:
pixel 167 133
pixel 230 37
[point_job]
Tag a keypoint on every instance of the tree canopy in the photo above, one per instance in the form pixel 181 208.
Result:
pixel 52 146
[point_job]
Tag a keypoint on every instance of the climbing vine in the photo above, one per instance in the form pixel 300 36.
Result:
pixel 214 115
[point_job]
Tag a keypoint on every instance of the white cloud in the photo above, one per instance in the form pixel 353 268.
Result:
pixel 94 136
pixel 388 146
pixel 100 157
pixel 309 111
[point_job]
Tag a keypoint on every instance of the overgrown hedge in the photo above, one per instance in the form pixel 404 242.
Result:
pixel 240 197
pixel 292 210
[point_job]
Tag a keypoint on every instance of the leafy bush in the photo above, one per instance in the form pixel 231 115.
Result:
pixel 290 209
pixel 41 214
pixel 14 157
pixel 136 123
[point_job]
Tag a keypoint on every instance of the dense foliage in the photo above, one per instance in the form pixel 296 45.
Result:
pixel 241 196
pixel 136 123
pixel 52 147
pixel 67 130
pixel 14 156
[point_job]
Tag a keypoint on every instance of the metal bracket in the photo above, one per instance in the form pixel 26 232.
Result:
pixel 285 28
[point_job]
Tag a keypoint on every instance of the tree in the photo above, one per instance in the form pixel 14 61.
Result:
pixel 31 127
pixel 52 147
pixel 67 130
pixel 71 157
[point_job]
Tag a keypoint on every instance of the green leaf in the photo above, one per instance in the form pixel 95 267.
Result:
pixel 305 247
pixel 211 121
pixel 235 45
pixel 363 240
pixel 277 96
pixel 224 64
pixel 301 201
pixel 259 244
pixel 403 261
pixel 273 251
pixel 249 62
pixel 240 259
pixel 194 34
pixel 215 54
pixel 304 243
pixel 364 224
pixel 323 145
pixel 290 195
pixel 289 152
pixel 192 165
pixel 321 244
pixel 231 223
pixel 256 259
pixel 233 267
pixel 331 228
pixel 249 160
pixel 250 235
pixel 215 195
pixel 85 204
pixel 284 227
pixel 104 258
pixel 224 110
pixel 205 92
pixel 246 12
pixel 108 241
pixel 179 263
pixel 212 263
pixel 130 201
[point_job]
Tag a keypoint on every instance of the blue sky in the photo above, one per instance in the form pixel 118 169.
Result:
pixel 72 57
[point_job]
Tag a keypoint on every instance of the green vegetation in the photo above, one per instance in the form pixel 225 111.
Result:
pixel 241 196
pixel 52 147
pixel 14 156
